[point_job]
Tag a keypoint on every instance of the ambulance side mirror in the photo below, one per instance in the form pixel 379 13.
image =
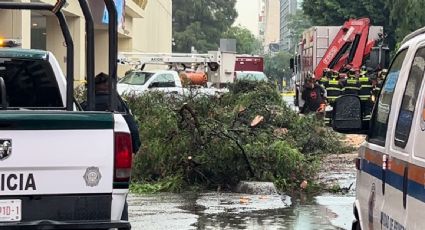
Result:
pixel 347 115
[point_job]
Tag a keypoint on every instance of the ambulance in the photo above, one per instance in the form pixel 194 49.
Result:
pixel 390 192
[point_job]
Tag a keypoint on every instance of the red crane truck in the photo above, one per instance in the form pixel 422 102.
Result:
pixel 354 44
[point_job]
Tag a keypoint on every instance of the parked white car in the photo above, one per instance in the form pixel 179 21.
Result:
pixel 168 81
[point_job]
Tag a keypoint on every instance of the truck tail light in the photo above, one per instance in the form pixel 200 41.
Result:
pixel 123 157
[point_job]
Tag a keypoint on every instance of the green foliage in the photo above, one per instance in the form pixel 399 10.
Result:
pixel 277 66
pixel 80 93
pixel 169 184
pixel 398 17
pixel 246 43
pixel 200 23
pixel 297 24
pixel 405 16
pixel 211 141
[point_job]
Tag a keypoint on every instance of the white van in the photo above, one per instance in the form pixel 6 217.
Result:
pixel 390 190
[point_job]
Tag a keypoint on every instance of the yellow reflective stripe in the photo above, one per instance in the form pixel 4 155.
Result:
pixel 351 87
pixel 333 88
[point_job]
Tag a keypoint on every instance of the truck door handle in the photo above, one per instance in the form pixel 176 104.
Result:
pixel 405 182
pixel 384 171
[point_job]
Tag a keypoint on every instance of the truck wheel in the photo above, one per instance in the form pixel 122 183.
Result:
pixel 124 215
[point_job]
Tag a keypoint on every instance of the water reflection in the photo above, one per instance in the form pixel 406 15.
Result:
pixel 236 211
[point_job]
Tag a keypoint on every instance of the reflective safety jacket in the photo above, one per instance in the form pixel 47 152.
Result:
pixel 324 81
pixel 366 88
pixel 333 90
pixel 351 86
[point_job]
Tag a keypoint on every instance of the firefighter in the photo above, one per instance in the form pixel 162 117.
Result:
pixel 351 85
pixel 377 84
pixel 333 92
pixel 325 78
pixel 314 96
pixel 363 71
pixel 365 95
pixel 334 88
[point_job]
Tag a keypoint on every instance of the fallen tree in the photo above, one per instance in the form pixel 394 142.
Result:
pixel 246 134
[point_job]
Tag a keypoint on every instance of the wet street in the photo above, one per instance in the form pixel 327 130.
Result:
pixel 225 211
pixel 214 210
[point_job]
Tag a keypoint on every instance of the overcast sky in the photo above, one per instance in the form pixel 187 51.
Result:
pixel 248 14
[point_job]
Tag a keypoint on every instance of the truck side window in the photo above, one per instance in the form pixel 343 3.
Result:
pixel 163 81
pixel 379 122
pixel 408 104
pixel 30 84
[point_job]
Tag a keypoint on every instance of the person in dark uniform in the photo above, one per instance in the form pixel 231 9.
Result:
pixel 365 95
pixel 351 85
pixel 102 104
pixel 314 97
pixel 324 80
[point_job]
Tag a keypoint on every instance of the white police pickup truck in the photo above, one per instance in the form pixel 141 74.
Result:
pixel 59 169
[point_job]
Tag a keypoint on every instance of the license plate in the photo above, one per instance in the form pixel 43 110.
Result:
pixel 10 210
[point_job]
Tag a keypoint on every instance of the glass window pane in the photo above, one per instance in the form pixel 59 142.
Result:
pixel 409 101
pixel 30 84
pixel 380 120
pixel 164 80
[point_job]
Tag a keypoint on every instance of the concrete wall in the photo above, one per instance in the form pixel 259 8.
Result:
pixel 146 30
pixel 16 25
pixel 155 28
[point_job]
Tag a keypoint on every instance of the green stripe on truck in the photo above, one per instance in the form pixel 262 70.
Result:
pixel 55 120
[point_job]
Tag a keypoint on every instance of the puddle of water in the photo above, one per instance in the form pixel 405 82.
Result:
pixel 342 206
pixel 232 211
pixel 160 211
pixel 236 203
pixel 240 211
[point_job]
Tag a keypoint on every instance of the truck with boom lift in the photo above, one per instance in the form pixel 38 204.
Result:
pixel 354 46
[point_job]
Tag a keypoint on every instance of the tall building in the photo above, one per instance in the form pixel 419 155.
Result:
pixel 144 25
pixel 261 19
pixel 271 25
pixel 287 8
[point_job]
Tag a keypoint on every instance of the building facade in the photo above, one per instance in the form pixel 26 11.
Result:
pixel 287 8
pixel 261 19
pixel 271 25
pixel 144 25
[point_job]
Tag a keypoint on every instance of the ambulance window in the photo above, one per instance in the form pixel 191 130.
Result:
pixel 379 121
pixel 408 104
